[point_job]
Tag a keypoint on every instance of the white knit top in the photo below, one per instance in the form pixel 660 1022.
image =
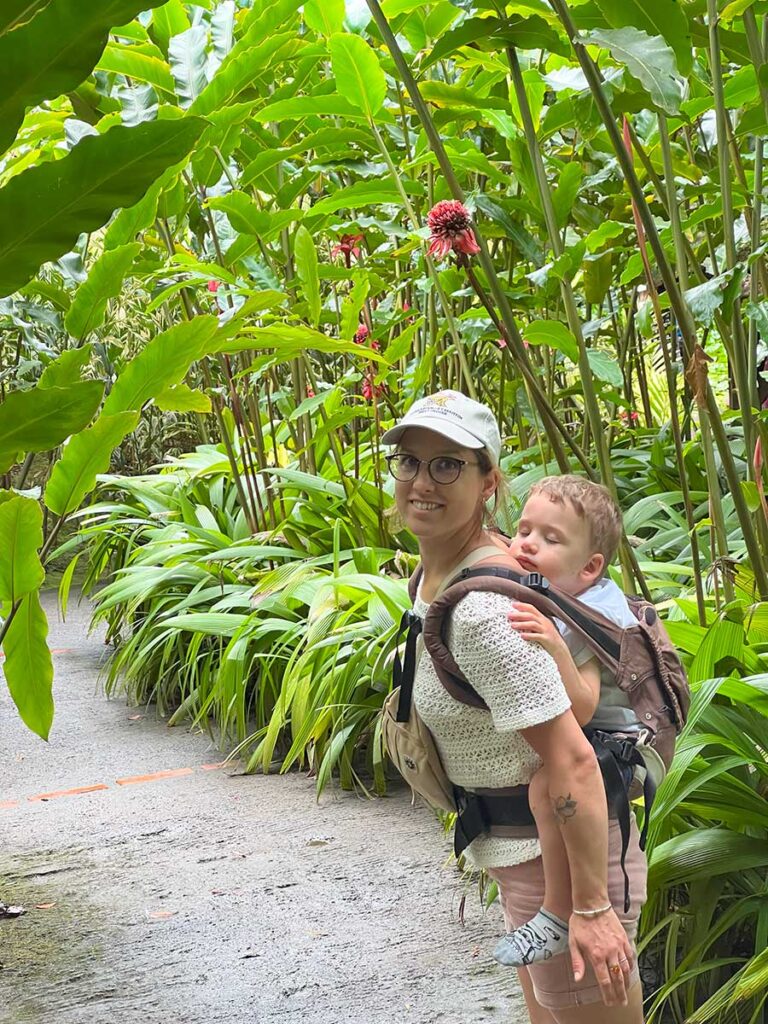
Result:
pixel 521 685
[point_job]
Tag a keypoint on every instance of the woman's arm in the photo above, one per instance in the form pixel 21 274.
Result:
pixel 577 796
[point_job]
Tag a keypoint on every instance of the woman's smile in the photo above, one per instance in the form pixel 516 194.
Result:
pixel 425 506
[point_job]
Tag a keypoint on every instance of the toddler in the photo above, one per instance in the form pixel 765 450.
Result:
pixel 569 532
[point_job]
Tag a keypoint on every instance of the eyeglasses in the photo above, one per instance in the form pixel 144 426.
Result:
pixel 443 468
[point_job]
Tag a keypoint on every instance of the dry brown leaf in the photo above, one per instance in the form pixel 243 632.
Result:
pixel 45 906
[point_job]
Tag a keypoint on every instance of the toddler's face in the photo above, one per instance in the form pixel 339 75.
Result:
pixel 553 539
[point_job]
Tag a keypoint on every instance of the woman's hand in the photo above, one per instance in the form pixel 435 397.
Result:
pixel 602 942
pixel 534 625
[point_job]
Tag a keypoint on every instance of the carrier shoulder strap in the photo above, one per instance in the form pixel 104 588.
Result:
pixel 602 635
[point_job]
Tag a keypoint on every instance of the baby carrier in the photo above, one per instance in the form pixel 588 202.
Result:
pixel 641 657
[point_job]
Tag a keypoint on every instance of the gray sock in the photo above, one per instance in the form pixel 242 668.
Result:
pixel 543 937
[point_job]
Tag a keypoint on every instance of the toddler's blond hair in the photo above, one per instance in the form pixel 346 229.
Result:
pixel 591 502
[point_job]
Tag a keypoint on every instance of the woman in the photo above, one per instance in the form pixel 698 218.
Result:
pixel 446 469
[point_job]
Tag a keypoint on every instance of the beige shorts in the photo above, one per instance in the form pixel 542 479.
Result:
pixel 521 891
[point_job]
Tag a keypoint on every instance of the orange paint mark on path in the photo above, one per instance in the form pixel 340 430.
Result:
pixel 7 804
pixel 172 773
pixel 213 767
pixel 67 792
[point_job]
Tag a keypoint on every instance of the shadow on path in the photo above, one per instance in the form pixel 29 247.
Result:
pixel 198 897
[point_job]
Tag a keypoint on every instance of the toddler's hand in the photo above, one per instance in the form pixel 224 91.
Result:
pixel 534 625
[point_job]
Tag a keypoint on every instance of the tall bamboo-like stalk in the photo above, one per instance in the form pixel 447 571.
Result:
pixel 594 419
pixel 738 348
pixel 557 429
pixel 677 302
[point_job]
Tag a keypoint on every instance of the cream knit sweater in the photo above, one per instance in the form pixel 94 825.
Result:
pixel 522 687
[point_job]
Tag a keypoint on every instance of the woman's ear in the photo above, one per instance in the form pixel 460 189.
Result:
pixel 491 484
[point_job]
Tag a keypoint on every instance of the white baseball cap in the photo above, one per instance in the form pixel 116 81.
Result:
pixel 452 415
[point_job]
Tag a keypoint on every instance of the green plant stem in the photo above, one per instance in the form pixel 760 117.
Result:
pixel 671 378
pixel 679 307
pixel 569 300
pixel 744 387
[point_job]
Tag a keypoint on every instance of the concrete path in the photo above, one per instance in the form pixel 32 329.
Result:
pixel 200 896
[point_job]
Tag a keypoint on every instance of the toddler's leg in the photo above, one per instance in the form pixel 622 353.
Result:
pixel 546 934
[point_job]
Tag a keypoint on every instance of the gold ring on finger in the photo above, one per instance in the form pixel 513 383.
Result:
pixel 615 969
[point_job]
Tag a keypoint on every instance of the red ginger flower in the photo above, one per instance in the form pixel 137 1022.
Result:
pixel 370 390
pixel 346 247
pixel 213 286
pixel 361 336
pixel 451 229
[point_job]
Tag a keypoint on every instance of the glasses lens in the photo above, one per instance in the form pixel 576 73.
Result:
pixel 445 470
pixel 403 467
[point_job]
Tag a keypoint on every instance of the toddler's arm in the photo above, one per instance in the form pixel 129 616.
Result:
pixel 583 683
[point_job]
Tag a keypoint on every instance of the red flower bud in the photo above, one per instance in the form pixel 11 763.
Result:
pixel 451 229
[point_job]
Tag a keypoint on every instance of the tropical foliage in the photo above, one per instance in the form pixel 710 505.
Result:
pixel 247 235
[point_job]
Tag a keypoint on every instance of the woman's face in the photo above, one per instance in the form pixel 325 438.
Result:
pixel 431 510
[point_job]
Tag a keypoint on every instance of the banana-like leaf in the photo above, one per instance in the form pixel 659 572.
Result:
pixel 649 59
pixel 306 266
pixel 41 418
pixel 666 18
pixel 324 16
pixel 181 398
pixel 169 20
pixel 164 361
pixel 28 666
pixel 18 12
pixel 45 209
pixel 86 455
pixel 21 535
pixel 53 53
pixel 139 67
pixel 66 369
pixel 358 74
pixel 187 54
pixel 105 282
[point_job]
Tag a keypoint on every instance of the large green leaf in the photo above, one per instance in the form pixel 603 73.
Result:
pixel 54 52
pixel 21 535
pixel 187 54
pixel 666 18
pixel 358 74
pixel 362 193
pixel 306 266
pixel 242 67
pixel 41 418
pixel 28 666
pixel 324 16
pixel 290 340
pixel 169 20
pixel 104 282
pixel 86 455
pixel 45 209
pixel 18 12
pixel 66 369
pixel 246 216
pixel 648 58
pixel 138 66
pixel 552 332
pixel 704 853
pixel 164 361
pixel 305 106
